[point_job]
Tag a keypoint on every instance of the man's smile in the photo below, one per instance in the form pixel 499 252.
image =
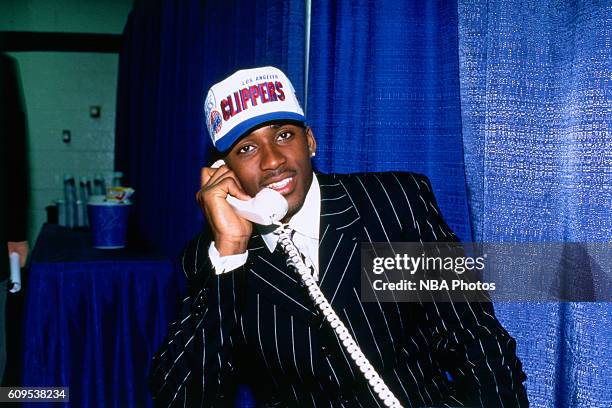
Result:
pixel 283 186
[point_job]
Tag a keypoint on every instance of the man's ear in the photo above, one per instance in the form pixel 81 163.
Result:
pixel 312 142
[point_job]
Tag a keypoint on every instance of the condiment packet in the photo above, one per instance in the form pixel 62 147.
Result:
pixel 119 194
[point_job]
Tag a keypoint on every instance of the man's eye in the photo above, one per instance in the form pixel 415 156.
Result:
pixel 246 149
pixel 284 135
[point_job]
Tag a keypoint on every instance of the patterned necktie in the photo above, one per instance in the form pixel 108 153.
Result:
pixel 284 229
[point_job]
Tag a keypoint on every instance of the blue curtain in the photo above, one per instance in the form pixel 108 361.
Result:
pixel 384 93
pixel 504 104
pixel 172 52
pixel 159 142
pixel 536 109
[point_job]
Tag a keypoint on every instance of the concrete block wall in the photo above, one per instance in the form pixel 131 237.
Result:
pixel 59 88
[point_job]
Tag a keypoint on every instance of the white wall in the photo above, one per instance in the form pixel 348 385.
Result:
pixel 59 88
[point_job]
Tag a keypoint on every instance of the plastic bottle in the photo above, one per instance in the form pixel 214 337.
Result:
pixel 117 179
pixel 61 212
pixel 99 186
pixel 70 196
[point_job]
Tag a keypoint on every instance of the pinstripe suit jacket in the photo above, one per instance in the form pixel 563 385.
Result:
pixel 256 324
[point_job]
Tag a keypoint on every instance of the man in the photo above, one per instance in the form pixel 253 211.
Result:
pixel 248 319
pixel 13 181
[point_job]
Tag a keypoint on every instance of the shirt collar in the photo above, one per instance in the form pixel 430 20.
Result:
pixel 305 222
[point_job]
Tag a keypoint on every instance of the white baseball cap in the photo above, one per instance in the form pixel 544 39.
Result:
pixel 245 100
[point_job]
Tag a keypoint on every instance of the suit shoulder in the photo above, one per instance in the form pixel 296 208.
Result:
pixel 408 180
pixel 416 180
pixel 407 176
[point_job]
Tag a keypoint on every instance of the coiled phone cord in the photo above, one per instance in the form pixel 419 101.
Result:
pixel 294 260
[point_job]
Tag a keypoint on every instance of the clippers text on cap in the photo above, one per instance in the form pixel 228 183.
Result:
pixel 239 101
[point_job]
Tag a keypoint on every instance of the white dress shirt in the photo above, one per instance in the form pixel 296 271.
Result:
pixel 306 225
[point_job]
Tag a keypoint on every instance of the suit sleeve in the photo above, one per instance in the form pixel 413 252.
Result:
pixel 193 367
pixel 470 343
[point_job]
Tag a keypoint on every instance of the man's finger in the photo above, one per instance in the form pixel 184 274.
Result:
pixel 206 173
pixel 232 187
pixel 218 175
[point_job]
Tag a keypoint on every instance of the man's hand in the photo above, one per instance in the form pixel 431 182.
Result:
pixel 21 248
pixel 230 231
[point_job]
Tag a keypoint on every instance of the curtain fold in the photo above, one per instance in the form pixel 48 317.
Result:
pixel 536 111
pixel 158 131
pixel 384 93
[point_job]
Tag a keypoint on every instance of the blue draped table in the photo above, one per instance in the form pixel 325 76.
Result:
pixel 94 318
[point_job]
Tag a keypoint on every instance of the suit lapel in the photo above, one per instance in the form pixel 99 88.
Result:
pixel 340 255
pixel 339 240
pixel 269 276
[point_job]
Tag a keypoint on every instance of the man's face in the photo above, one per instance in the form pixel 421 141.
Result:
pixel 278 157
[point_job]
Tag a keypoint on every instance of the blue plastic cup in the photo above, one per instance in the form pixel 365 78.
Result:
pixel 108 222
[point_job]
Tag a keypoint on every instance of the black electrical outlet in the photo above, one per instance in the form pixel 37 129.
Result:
pixel 66 136
pixel 94 111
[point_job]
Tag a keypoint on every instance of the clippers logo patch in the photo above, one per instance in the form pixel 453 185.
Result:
pixel 215 122
pixel 209 105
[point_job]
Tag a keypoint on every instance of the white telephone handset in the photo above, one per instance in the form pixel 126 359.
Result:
pixel 266 208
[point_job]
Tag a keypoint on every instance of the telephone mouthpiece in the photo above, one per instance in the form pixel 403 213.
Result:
pixel 266 208
pixel 275 204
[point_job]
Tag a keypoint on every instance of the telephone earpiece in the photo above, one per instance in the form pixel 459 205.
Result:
pixel 217 164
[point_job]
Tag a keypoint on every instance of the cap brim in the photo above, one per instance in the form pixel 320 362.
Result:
pixel 227 141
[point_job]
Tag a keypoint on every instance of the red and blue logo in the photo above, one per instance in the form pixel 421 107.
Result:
pixel 215 122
